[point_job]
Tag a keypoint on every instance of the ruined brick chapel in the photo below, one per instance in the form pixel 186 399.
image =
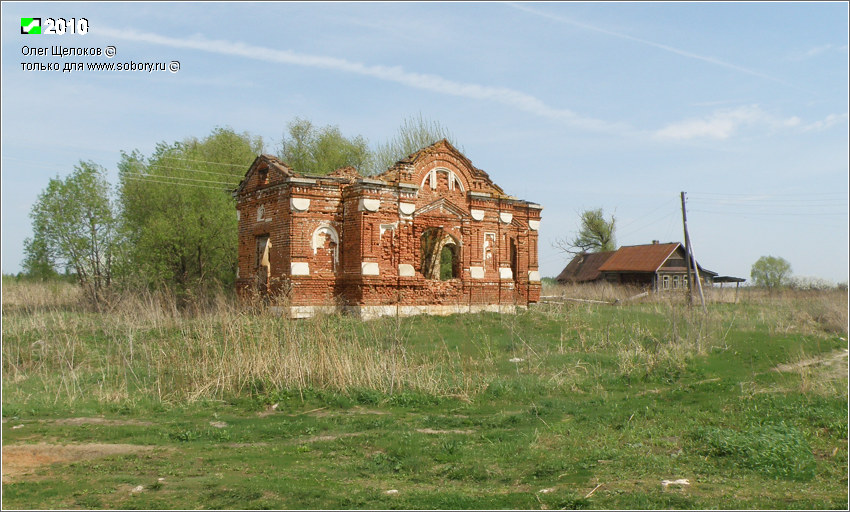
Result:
pixel 432 234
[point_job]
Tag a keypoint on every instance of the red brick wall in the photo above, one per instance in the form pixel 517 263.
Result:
pixel 387 237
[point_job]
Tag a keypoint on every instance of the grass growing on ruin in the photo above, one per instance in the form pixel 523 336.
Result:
pixel 572 405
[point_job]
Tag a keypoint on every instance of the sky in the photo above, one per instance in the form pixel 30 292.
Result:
pixel 574 106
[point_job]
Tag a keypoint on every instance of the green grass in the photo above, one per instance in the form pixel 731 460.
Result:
pixel 597 398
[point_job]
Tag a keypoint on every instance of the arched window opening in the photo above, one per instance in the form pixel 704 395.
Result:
pixel 325 244
pixel 514 262
pixel 440 255
pixel 441 178
pixel 263 264
pixel 448 262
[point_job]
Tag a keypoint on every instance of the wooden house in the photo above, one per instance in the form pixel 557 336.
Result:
pixel 655 266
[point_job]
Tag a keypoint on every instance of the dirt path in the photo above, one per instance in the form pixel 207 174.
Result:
pixel 835 365
pixel 19 460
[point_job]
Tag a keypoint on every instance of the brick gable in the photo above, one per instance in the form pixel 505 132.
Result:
pixel 377 245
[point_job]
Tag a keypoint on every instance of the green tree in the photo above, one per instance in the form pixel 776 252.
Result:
pixel 311 150
pixel 770 272
pixel 595 234
pixel 414 134
pixel 178 212
pixel 37 262
pixel 74 225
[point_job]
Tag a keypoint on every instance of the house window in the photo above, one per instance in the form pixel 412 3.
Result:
pixel 665 282
pixel 684 281
pixel 675 282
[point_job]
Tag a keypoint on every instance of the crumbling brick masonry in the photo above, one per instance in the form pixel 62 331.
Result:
pixel 432 234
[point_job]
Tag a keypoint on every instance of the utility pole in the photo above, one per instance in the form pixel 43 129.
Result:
pixel 692 262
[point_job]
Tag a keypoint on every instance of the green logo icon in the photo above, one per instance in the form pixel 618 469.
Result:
pixel 30 25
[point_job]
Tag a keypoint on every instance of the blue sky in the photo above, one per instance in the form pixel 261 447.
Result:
pixel 620 106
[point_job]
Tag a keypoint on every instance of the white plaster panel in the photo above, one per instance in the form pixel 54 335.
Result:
pixel 477 272
pixel 300 268
pixel 370 205
pixel 369 268
pixel 406 270
pixel 299 204
pixel 534 224
pixel 477 214
pixel 406 208
pixel 506 217
pixel 533 275
pixel 505 273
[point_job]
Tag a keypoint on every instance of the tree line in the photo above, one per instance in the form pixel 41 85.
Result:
pixel 170 221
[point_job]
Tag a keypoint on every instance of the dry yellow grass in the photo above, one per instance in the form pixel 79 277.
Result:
pixel 145 346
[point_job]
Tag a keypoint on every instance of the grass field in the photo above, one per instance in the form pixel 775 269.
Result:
pixel 574 405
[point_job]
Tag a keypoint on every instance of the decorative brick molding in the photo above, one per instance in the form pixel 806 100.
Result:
pixel 443 242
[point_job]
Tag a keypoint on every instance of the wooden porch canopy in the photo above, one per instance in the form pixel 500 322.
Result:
pixel 728 279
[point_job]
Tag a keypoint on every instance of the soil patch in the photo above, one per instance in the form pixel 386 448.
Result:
pixel 834 365
pixel 433 431
pixel 329 437
pixel 20 460
pixel 99 421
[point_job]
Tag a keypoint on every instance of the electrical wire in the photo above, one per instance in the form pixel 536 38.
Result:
pixel 150 180
pixel 205 161
pixel 160 166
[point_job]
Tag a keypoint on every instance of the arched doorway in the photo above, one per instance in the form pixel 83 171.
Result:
pixel 440 255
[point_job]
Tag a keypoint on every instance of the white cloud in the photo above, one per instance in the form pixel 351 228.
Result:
pixel 722 124
pixel 671 49
pixel 828 122
pixel 815 51
pixel 397 74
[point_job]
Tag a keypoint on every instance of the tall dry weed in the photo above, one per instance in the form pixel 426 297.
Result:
pixel 146 345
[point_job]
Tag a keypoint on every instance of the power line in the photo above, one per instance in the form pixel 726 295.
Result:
pixel 150 180
pixel 772 204
pixel 663 205
pixel 193 170
pixel 205 161
pixel 189 179
pixel 794 214
pixel 795 194
pixel 648 224
pixel 186 179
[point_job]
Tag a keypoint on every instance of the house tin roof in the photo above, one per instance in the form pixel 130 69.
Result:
pixel 639 258
pixel 584 267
